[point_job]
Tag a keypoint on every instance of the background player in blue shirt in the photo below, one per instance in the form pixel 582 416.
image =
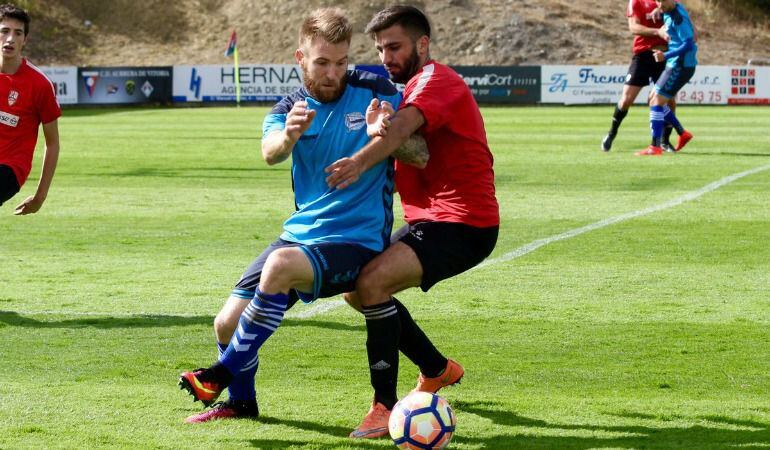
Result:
pixel 680 67
pixel 332 234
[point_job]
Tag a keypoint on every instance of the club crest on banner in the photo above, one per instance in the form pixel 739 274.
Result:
pixel 89 81
pixel 12 97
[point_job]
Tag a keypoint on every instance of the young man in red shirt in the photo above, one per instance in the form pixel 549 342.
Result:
pixel 645 22
pixel 27 99
pixel 450 207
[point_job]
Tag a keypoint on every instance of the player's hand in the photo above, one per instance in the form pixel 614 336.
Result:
pixel 663 34
pixel 30 205
pixel 298 120
pixel 343 173
pixel 378 118
pixel 659 56
pixel 656 15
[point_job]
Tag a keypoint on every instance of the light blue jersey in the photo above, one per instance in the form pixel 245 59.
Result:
pixel 682 47
pixel 360 214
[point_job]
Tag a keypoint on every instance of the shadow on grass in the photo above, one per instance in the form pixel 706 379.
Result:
pixel 753 434
pixel 197 173
pixel 699 153
pixel 329 430
pixel 13 319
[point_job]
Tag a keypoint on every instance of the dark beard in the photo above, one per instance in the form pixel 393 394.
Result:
pixel 314 88
pixel 409 69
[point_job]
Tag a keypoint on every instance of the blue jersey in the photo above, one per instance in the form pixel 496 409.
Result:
pixel 682 47
pixel 360 214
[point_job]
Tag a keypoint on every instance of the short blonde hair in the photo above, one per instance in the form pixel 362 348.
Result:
pixel 329 24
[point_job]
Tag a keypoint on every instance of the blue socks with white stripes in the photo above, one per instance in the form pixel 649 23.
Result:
pixel 242 386
pixel 671 119
pixel 257 323
pixel 656 124
pixel 383 328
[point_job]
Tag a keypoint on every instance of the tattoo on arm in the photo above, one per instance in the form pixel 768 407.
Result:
pixel 413 152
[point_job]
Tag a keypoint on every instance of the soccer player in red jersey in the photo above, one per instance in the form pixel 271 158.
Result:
pixel 645 22
pixel 27 99
pixel 450 207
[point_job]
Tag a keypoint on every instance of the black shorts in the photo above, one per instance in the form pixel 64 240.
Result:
pixel 9 186
pixel 335 268
pixel 673 79
pixel 446 249
pixel 643 70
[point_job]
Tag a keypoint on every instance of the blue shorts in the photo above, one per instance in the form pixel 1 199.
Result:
pixel 672 79
pixel 335 268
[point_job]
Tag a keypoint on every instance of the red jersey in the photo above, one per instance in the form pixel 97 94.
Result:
pixel 642 10
pixel 458 184
pixel 27 99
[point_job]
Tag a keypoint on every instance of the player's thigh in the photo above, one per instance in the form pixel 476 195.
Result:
pixel 286 269
pixel 336 267
pixel 447 249
pixel 642 70
pixel 247 285
pixel 392 271
pixel 672 80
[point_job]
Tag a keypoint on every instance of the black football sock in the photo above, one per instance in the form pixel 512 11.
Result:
pixel 416 346
pixel 383 328
pixel 667 134
pixel 218 373
pixel 617 119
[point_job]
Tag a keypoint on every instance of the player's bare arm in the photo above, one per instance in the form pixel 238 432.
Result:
pixel 636 28
pixel 278 145
pixel 33 203
pixel 346 171
pixel 413 152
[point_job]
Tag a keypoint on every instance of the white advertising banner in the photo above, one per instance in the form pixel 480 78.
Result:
pixel 65 80
pixel 216 83
pixel 712 85
pixel 574 85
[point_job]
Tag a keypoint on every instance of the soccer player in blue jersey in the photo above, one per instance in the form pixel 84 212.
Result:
pixel 680 67
pixel 332 234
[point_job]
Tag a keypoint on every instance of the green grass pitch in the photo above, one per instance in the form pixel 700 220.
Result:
pixel 652 332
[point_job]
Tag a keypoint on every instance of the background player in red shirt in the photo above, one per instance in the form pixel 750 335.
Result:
pixel 645 22
pixel 450 207
pixel 27 99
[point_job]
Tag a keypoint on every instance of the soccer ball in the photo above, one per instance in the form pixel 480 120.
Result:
pixel 422 420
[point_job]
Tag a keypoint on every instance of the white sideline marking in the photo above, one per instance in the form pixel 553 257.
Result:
pixel 532 246
pixel 323 307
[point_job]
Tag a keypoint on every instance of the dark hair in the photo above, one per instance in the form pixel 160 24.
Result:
pixel 13 12
pixel 410 18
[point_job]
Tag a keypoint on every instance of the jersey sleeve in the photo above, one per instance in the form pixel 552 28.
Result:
pixel 634 10
pixel 275 120
pixel 434 94
pixel 47 103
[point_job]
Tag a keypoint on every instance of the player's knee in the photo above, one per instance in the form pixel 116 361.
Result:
pixel 625 102
pixel 224 327
pixel 353 300
pixel 370 288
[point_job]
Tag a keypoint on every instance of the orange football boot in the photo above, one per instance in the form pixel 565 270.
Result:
pixel 452 374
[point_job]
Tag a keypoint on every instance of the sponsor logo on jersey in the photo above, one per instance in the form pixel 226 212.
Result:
pixel 12 97
pixel 355 121
pixel 8 119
